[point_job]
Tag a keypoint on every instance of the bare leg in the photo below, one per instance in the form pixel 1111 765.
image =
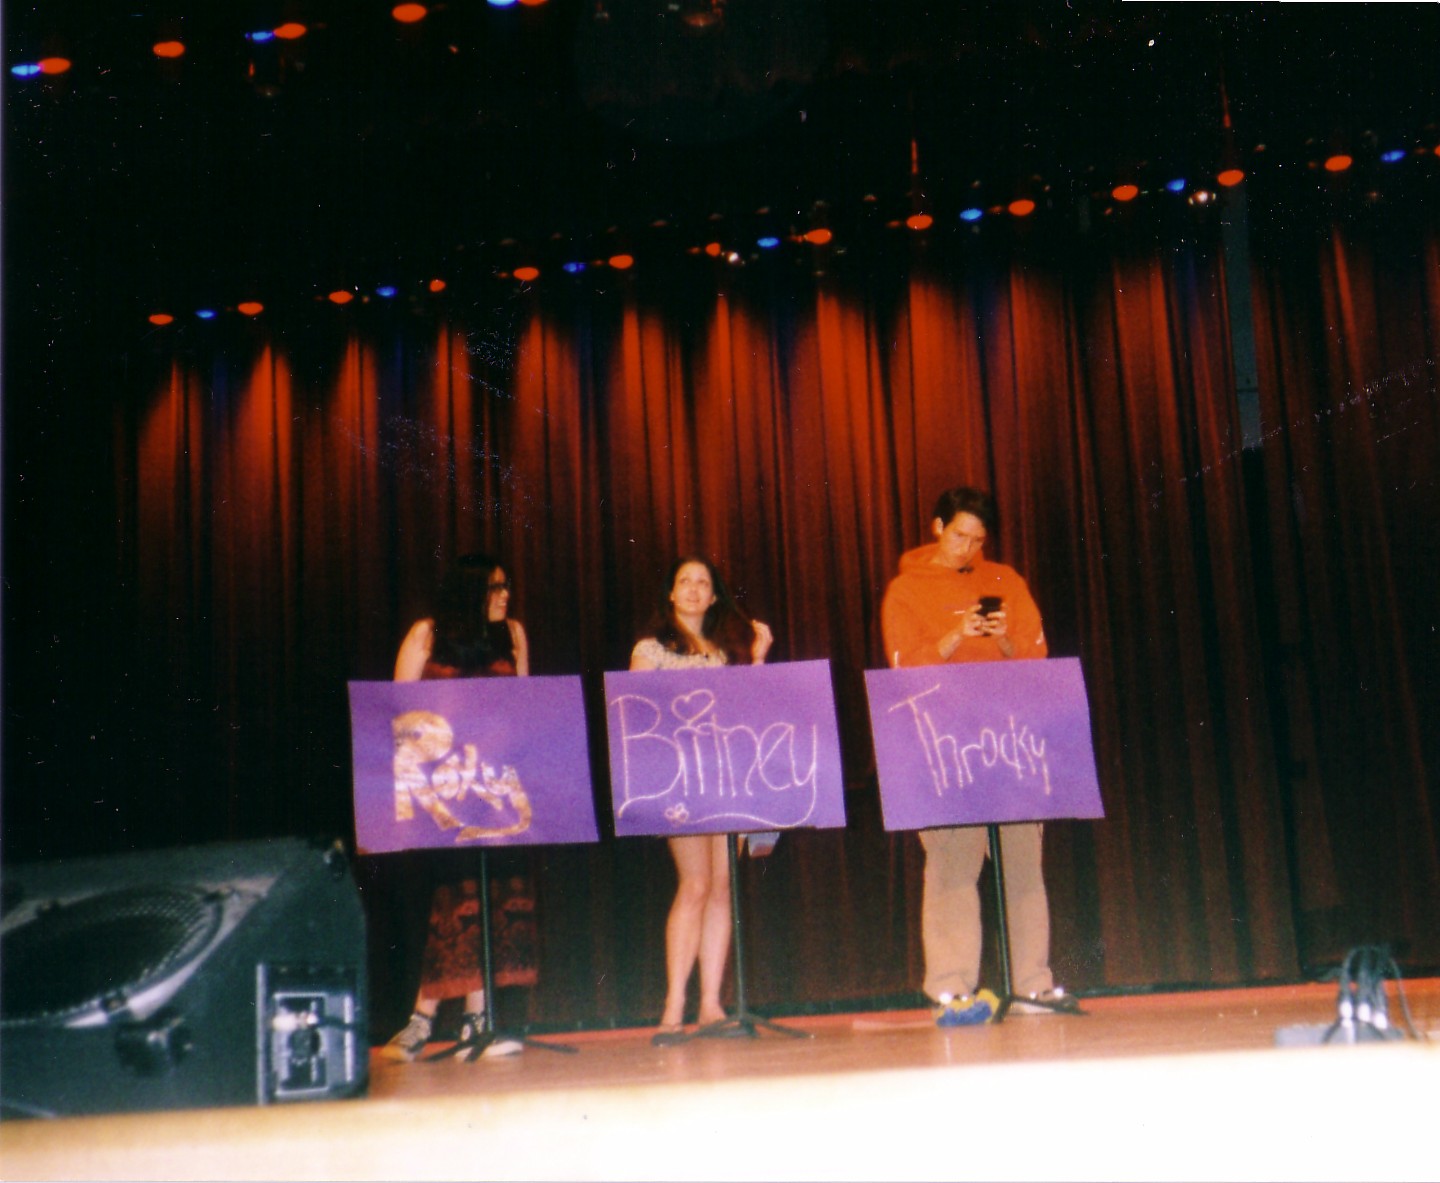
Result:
pixel 715 932
pixel 683 928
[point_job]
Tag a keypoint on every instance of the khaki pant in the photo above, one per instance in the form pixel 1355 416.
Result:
pixel 950 911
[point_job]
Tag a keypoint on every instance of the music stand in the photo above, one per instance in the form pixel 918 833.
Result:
pixel 1014 736
pixel 744 1021
pixel 1065 1005
pixel 417 751
pixel 794 779
pixel 483 1039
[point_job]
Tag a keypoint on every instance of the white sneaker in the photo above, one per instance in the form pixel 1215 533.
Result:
pixel 504 1046
pixel 409 1041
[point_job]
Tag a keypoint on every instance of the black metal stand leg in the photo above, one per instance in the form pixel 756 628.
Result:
pixel 1064 1005
pixel 744 1022
pixel 478 1042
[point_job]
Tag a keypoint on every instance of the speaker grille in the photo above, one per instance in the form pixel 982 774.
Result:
pixel 87 958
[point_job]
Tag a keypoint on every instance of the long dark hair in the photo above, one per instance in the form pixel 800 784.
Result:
pixel 725 624
pixel 463 637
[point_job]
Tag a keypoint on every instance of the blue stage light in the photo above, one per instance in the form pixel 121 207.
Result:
pixel 205 313
pixel 1393 155
pixel 501 3
pixel 768 242
pixel 261 37
pixel 1176 186
pixel 385 290
pixel 29 70
pixel 573 268
pixel 973 214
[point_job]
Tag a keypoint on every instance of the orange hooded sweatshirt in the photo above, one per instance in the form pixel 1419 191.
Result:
pixel 925 601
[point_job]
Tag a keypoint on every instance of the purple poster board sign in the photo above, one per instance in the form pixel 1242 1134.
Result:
pixel 974 743
pixel 470 762
pixel 724 750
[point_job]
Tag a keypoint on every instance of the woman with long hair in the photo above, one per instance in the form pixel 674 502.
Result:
pixel 471 635
pixel 698 624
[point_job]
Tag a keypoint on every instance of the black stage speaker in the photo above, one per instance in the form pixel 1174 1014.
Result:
pixel 212 975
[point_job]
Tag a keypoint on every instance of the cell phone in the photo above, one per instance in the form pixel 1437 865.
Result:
pixel 989 605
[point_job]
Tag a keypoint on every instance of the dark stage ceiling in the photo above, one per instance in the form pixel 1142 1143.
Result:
pixel 368 147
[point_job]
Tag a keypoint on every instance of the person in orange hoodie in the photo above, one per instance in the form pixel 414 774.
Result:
pixel 950 603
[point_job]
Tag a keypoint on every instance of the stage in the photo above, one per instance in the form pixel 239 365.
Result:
pixel 1172 1086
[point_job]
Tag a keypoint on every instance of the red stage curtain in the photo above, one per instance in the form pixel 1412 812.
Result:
pixel 1253 627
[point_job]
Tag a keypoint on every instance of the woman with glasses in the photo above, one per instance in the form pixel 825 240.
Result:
pixel 471 635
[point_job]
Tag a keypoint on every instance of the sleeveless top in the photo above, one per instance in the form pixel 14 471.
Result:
pixel 502 657
pixel 667 659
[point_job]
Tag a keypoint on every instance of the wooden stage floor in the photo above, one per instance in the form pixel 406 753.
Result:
pixel 1175 1086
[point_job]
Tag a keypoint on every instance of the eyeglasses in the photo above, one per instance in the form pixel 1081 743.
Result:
pixel 503 585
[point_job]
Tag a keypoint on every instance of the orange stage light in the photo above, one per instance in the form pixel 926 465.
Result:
pixel 1231 177
pixel 291 31
pixel 622 262
pixel 168 49
pixel 408 14
pixel 341 296
pixel 160 318
pixel 713 249
pixel 526 274
pixel 253 307
pixel 819 237
pixel 1338 163
pixel 1125 192
pixel 1022 207
pixel 919 221
pixel 54 65
pixel 436 285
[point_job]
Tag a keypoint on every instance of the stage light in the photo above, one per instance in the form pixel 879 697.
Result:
pixel 501 3
pixel 532 3
pixel 385 291
pixel 1393 155
pixel 340 296
pixel 291 31
pixel 261 36
pixel 26 71
pixel 919 221
pixel 250 308
pixel 622 262
pixel 168 49
pixel 713 249
pixel 408 14
pixel 1201 197
pixel 527 274
pixel 160 318
pixel 54 65
pixel 973 214
pixel 1338 163
pixel 1021 208
pixel 1176 186
pixel 573 268
pixel 1231 177
pixel 767 242
pixel 818 237
pixel 205 313
pixel 436 285
pixel 1125 192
